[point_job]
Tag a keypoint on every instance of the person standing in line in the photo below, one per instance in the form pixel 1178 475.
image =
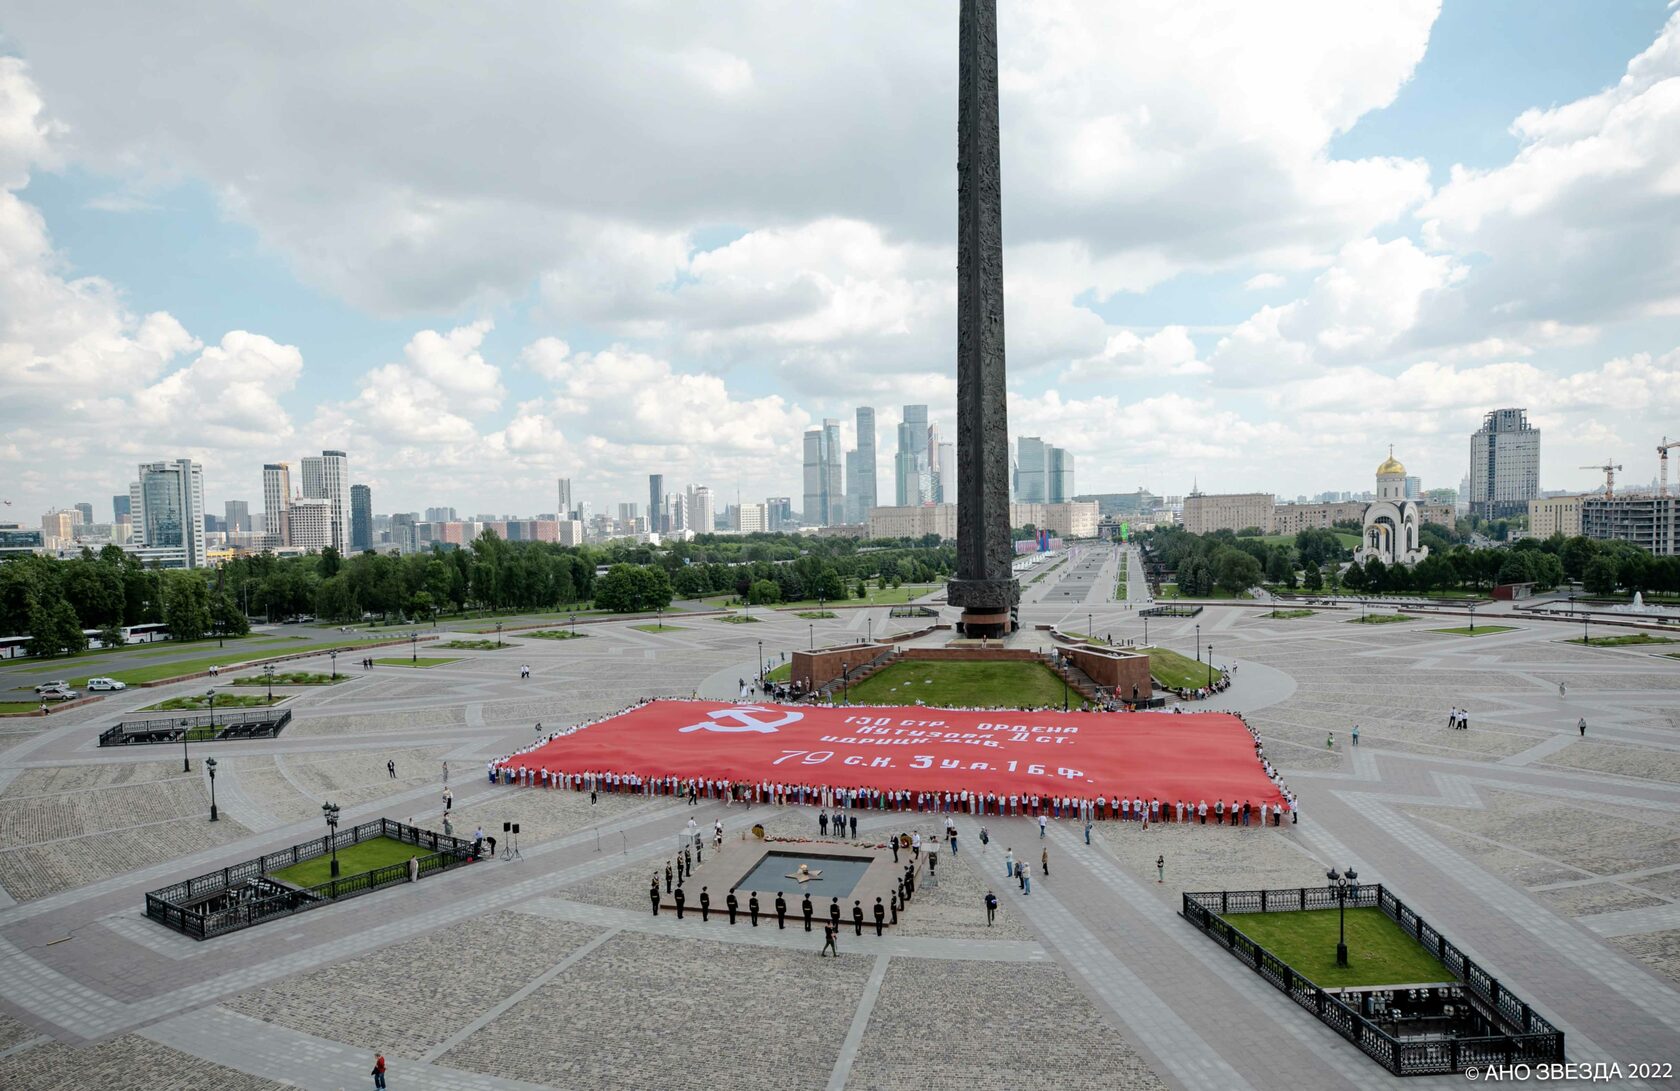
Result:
pixel 880 915
pixel 653 893
pixel 806 909
pixel 752 908
pixel 892 906
pixel 822 823
pixel 733 904
pixel 857 916
pixel 829 944
pixel 991 908
pixel 781 912
pixel 705 906
pixel 1008 863
pixel 834 913
pixel 853 821
pixel 892 842
pixel 378 1070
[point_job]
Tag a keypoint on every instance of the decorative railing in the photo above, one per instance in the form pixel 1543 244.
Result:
pixel 243 894
pixel 1169 611
pixel 1527 1038
pixel 263 723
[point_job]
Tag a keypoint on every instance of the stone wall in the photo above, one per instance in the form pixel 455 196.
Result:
pixel 822 666
pixel 1112 668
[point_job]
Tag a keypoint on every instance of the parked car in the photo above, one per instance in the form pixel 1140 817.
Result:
pixel 105 684
pixel 63 693
pixel 55 683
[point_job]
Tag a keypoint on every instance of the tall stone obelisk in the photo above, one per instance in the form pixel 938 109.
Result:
pixel 984 586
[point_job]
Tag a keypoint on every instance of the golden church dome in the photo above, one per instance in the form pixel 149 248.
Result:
pixel 1391 465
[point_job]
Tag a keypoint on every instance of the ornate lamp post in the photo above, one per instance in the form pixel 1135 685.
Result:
pixel 870 622
pixel 761 660
pixel 498 634
pixel 268 672
pixel 1339 882
pixel 333 655
pixel 329 811
pixel 186 726
pixel 813 628
pixel 210 764
pixel 414 647
pixel 1472 617
pixel 1146 630
pixel 1198 643
pixel 574 624
pixel 1210 664
pixel 1090 628
pixel 210 697
pixel 845 684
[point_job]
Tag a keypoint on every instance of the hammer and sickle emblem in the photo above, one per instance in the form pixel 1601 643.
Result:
pixel 743 721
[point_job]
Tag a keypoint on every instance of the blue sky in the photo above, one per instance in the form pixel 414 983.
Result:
pixel 1232 258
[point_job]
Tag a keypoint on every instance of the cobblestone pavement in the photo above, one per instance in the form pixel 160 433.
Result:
pixel 1551 859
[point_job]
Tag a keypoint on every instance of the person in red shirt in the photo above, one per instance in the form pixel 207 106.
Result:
pixel 378 1070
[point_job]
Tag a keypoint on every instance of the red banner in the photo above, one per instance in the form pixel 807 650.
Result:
pixel 1191 757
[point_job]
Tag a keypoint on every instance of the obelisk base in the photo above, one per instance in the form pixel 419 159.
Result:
pixel 987 606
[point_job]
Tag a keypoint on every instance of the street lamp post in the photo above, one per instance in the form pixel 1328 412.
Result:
pixel 813 628
pixel 268 672
pixel 870 622
pixel 1339 882
pixel 1090 628
pixel 574 624
pixel 1210 664
pixel 761 660
pixel 210 697
pixel 414 647
pixel 333 655
pixel 186 727
pixel 210 764
pixel 498 634
pixel 1198 642
pixel 1472 617
pixel 845 684
pixel 1146 630
pixel 329 810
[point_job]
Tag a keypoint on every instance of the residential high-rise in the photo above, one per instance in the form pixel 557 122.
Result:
pixel 1030 466
pixel 1504 465
pixel 311 523
pixel 237 515
pixel 327 478
pixel 565 508
pixel 627 515
pixel 119 508
pixel 656 502
pixel 440 515
pixel 912 474
pixel 1058 472
pixel 946 490
pixel 676 512
pixel 402 531
pixel 58 527
pixel 361 518
pixel 752 519
pixel 167 501
pixel 703 512
pixel 780 512
pixel 85 509
pixel 277 499
pixel 860 471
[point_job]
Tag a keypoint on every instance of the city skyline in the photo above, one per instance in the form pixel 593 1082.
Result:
pixel 1388 273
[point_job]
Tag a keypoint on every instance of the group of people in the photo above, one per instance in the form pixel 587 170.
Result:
pixel 1459 719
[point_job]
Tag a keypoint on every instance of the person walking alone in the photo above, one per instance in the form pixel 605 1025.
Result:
pixel 828 941
pixel 1583 726
pixel 378 1070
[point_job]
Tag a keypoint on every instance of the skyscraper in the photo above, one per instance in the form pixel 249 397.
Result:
pixel 834 484
pixel 1504 465
pixel 946 493
pixel 656 502
pixel 779 510
pixel 277 500
pixel 702 509
pixel 565 510
pixel 361 518
pixel 911 471
pixel 1058 485
pixel 860 472
pixel 1030 471
pixel 167 499
pixel 86 510
pixel 237 515
pixel 310 521
pixel 825 500
pixel 119 508
pixel 328 478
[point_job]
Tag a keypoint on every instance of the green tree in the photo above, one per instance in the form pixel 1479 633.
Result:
pixel 186 605
pixel 764 593
pixel 226 616
pixel 1314 578
pixel 1278 567
pixel 54 630
pixel 1236 570
pixel 1600 575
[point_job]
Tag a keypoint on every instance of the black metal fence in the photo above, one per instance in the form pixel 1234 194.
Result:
pixel 244 894
pixel 1528 1038
pixel 263 723
pixel 1169 611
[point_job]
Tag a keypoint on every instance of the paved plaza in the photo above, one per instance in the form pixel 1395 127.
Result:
pixel 1551 858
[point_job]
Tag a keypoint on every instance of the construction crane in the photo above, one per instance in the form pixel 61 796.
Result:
pixel 1662 458
pixel 1609 470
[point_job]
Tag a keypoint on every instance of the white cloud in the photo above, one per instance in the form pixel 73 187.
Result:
pixel 1261 282
pixel 1167 352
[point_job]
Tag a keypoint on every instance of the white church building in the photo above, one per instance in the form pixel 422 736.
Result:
pixel 1390 533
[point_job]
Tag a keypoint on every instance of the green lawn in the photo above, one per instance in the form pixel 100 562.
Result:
pixel 817 615
pixel 730 619
pixel 231 656
pixel 943 683
pixel 783 673
pixel 555 634
pixel 1625 639
pixel 1380 619
pixel 1282 614
pixel 1379 953
pixel 656 627
pixel 198 702
pixel 352 860
pixel 11 707
pixel 475 645
pixel 1174 671
pixel 1480 630
pixel 292 678
pixel 423 661
pixel 1170 591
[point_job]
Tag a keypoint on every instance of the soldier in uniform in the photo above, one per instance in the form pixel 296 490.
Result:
pixel 733 904
pixel 781 911
pixel 880 915
pixel 805 908
pixel 834 913
pixel 857 916
pixel 667 876
pixel 894 907
pixel 705 905
pixel 653 894
pixel 752 908
pixel 681 897
pixel 828 941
